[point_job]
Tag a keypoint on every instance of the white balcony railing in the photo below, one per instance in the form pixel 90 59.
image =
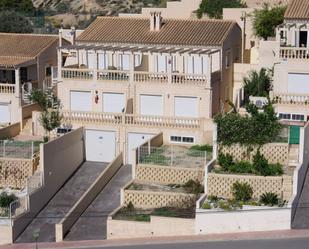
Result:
pixel 131 120
pixel 294 53
pixel 295 99
pixel 139 77
pixel 7 88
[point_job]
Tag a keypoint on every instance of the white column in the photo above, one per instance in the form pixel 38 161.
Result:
pixel 95 70
pixel 209 69
pixel 131 77
pixel 17 83
pixel 59 61
pixel 169 68
pixel 307 45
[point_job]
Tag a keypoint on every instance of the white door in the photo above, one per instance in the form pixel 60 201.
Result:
pixel 151 105
pixel 113 102
pixel 186 107
pixel 5 115
pixel 135 140
pixel 80 101
pixel 100 146
pixel 298 83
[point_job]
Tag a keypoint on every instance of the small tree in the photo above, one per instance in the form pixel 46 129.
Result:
pixel 257 83
pixel 266 20
pixel 50 118
pixel 214 8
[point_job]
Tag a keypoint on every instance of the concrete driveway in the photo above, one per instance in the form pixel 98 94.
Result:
pixel 92 224
pixel 61 203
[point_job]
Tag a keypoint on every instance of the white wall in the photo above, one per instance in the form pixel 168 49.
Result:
pixel 211 222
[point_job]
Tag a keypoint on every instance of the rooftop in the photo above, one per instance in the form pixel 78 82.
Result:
pixel 297 9
pixel 179 32
pixel 16 49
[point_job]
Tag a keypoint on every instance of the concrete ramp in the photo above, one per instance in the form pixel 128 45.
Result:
pixel 92 224
pixel 61 203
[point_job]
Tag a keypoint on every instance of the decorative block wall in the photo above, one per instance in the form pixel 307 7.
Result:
pixel 150 199
pixel 273 152
pixel 167 174
pixel 221 185
pixel 14 172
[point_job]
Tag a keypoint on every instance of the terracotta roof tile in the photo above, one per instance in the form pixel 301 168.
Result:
pixel 19 48
pixel 297 9
pixel 128 30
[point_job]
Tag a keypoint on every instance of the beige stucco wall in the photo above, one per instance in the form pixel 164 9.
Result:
pixel 158 226
pixel 14 106
pixel 57 168
pixel 9 131
pixel 6 234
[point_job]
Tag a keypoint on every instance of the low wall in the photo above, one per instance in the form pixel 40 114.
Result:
pixel 6 235
pixel 26 111
pixel 167 174
pixel 14 172
pixel 57 164
pixel 9 131
pixel 87 198
pixel 273 152
pixel 152 199
pixel 158 226
pixel 221 185
pixel 212 222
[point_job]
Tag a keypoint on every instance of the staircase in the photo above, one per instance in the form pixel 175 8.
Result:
pixel 27 129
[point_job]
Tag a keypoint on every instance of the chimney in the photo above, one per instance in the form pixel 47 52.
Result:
pixel 155 21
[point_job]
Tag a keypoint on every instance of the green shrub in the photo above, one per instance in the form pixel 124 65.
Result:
pixel 260 163
pixel 130 207
pixel 206 205
pixel 225 161
pixel 6 200
pixel 275 170
pixel 204 147
pixel 225 206
pixel 269 199
pixel 242 167
pixel 194 187
pixel 213 198
pixel 242 191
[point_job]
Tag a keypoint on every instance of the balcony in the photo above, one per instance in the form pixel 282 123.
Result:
pixel 291 99
pixel 136 76
pixel 297 53
pixel 6 88
pixel 132 120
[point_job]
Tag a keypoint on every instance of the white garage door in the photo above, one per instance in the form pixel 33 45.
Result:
pixel 100 146
pixel 186 107
pixel 5 116
pixel 151 105
pixel 81 101
pixel 113 102
pixel 298 83
pixel 135 140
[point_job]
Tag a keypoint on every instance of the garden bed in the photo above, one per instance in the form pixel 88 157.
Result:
pixel 126 213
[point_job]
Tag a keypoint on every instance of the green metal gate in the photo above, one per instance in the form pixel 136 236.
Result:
pixel 294 134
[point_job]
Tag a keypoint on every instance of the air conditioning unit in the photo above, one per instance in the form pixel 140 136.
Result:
pixel 258 101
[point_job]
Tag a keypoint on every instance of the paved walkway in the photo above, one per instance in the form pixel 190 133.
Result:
pixel 61 203
pixel 301 219
pixel 92 224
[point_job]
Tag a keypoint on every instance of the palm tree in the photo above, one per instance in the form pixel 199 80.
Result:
pixel 257 83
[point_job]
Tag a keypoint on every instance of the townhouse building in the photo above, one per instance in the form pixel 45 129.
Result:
pixel 127 79
pixel 26 63
pixel 291 71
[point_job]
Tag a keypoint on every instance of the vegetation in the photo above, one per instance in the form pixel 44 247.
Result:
pixel 242 191
pixel 194 187
pixel 13 22
pixel 6 199
pixel 257 84
pixel 50 117
pixel 260 166
pixel 214 8
pixel 236 129
pixel 266 20
pixel 269 199
pixel 22 6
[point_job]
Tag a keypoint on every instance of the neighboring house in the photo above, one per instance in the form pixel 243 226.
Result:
pixel 127 79
pixel 291 73
pixel 26 62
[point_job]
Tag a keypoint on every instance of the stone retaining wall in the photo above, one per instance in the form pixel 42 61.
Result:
pixel 221 185
pixel 152 199
pixel 167 174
